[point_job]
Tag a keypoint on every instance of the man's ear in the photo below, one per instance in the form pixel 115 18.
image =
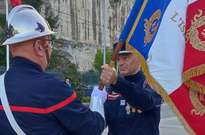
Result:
pixel 38 48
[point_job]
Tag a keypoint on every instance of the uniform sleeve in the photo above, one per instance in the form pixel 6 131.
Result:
pixel 137 96
pixel 78 119
pixel 72 114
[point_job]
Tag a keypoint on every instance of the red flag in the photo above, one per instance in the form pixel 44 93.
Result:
pixel 15 2
pixel 191 103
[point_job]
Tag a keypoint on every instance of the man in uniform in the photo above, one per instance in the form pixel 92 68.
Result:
pixel 132 106
pixel 41 103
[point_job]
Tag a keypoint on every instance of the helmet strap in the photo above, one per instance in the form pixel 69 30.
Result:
pixel 47 57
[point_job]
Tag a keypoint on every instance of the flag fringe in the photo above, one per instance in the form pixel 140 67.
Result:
pixel 191 73
pixel 159 89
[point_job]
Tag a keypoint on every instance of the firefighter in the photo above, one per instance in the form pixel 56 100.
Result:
pixel 132 106
pixel 40 103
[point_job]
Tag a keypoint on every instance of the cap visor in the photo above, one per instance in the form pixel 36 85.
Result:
pixel 124 52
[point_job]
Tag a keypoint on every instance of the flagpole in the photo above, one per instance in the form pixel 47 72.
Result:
pixel 103 30
pixel 7 47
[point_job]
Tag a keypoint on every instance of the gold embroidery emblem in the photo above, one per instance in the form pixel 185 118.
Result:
pixel 151 26
pixel 194 33
pixel 197 99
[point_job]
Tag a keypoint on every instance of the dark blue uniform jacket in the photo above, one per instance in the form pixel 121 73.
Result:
pixel 44 105
pixel 136 110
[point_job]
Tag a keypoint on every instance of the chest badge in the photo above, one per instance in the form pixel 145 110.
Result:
pixel 127 108
pixel 122 102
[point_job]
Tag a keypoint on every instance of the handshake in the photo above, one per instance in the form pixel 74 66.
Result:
pixel 98 97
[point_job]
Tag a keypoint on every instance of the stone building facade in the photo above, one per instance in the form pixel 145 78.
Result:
pixel 81 23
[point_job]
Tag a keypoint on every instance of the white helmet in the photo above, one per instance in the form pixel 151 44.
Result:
pixel 25 23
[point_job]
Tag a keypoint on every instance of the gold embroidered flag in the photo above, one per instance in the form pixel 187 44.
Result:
pixel 191 103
